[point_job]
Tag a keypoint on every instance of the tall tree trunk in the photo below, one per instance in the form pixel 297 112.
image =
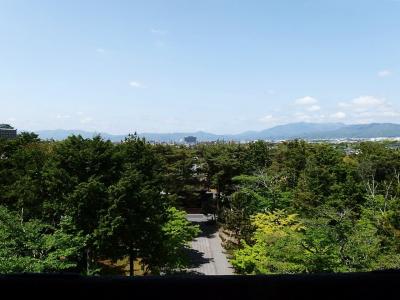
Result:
pixel 87 261
pixel 131 266
pixel 22 216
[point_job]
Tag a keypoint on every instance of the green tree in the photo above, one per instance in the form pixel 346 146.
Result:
pixel 36 247
pixel 276 246
pixel 177 232
pixel 86 205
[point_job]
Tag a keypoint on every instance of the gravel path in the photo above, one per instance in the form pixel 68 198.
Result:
pixel 207 255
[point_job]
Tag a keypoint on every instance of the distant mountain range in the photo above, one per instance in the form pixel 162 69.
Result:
pixel 302 130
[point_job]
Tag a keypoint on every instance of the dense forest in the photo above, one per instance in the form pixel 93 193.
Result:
pixel 291 207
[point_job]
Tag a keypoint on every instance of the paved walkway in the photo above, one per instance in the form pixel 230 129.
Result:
pixel 207 255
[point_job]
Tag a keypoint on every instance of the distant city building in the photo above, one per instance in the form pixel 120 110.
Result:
pixel 190 139
pixel 395 146
pixel 7 132
pixel 351 151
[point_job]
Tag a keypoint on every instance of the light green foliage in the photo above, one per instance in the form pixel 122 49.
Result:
pixel 281 244
pixel 35 247
pixel 276 246
pixel 270 223
pixel 177 233
pixel 178 230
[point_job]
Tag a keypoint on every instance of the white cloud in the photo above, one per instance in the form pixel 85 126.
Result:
pixel 308 103
pixel 339 115
pixel 136 84
pixel 100 50
pixel 384 73
pixel 307 100
pixel 362 109
pixel 314 108
pixel 79 113
pixel 365 102
pixel 391 113
pixel 366 109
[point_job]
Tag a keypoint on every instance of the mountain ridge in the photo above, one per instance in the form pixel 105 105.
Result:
pixel 301 130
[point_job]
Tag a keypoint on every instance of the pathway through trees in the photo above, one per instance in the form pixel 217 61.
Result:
pixel 207 255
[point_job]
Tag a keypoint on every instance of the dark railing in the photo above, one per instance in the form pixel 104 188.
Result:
pixel 374 285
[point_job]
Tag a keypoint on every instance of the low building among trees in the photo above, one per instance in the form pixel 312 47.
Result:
pixel 191 140
pixel 7 132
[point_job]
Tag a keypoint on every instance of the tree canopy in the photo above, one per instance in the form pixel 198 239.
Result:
pixel 288 207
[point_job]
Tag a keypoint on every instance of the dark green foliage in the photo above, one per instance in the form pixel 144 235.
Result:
pixel 291 207
pixel 73 203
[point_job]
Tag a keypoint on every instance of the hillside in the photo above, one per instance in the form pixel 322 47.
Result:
pixel 281 132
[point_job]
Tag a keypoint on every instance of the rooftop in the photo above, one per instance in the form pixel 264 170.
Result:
pixel 6 126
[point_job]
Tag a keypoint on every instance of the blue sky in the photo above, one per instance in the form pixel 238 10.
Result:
pixel 219 66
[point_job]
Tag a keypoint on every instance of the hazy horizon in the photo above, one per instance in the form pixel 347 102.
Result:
pixel 220 67
pixel 193 131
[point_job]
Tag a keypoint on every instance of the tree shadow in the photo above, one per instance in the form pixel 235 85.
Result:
pixel 208 228
pixel 196 259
